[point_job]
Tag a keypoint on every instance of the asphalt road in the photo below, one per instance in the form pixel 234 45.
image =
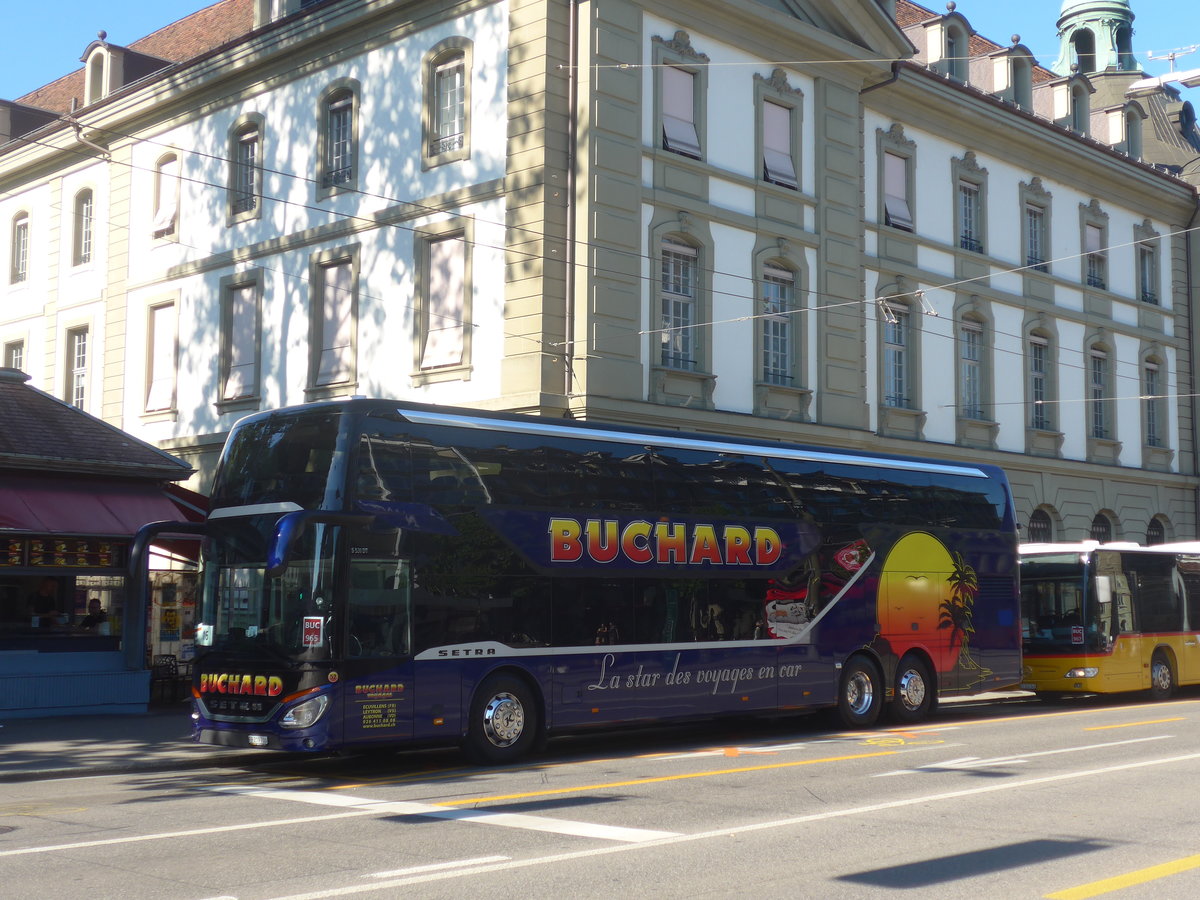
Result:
pixel 1003 800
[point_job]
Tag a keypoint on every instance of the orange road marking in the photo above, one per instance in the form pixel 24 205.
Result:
pixel 1133 724
pixel 662 778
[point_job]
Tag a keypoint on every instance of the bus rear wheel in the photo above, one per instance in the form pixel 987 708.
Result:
pixel 860 696
pixel 1162 678
pixel 915 690
pixel 504 720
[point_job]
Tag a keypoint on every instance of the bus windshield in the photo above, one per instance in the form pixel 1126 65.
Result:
pixel 244 612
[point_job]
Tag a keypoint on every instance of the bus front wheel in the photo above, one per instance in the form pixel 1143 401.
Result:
pixel 1162 678
pixel 504 720
pixel 861 694
pixel 914 690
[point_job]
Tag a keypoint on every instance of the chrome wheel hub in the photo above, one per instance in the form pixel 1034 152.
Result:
pixel 503 720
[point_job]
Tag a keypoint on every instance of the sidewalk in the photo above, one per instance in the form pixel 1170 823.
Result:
pixel 70 746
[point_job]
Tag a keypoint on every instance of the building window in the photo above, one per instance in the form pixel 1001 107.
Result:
pixel 1153 405
pixel 1080 113
pixel 166 196
pixel 1021 73
pixel 1035 238
pixel 956 53
pixel 678 273
pixel 1096 259
pixel 970 233
pixel 895 358
pixel 679 132
pixel 778 326
pixel 338 137
pixel 970 370
pixel 1041 529
pixel 77 367
pixel 240 327
pixel 445 303
pixel 1133 134
pixel 1155 532
pixel 778 162
pixel 1039 384
pixel 19 264
pixel 449 112
pixel 161 355
pixel 14 355
pixel 1147 273
pixel 897 211
pixel 334 323
pixel 245 183
pixel 81 249
pixel 1098 393
pixel 1101 528
pixel 446 113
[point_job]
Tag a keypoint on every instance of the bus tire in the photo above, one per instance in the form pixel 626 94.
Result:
pixel 915 690
pixel 860 696
pixel 504 720
pixel 1162 676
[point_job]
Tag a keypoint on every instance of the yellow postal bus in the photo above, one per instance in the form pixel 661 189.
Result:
pixel 1105 618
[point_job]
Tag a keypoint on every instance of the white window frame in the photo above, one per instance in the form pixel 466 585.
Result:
pixel 777 326
pixel 679 305
pixel 162 354
pixel 679 132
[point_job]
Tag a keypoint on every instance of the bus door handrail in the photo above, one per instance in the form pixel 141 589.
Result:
pixel 134 641
pixel 291 524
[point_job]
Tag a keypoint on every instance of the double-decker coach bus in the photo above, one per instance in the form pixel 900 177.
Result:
pixel 1106 618
pixel 374 573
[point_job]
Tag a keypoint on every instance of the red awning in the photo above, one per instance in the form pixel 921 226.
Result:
pixel 46 505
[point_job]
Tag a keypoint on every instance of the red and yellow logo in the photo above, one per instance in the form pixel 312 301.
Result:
pixel 257 685
pixel 662 543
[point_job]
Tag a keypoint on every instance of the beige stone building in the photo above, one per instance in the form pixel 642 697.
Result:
pixel 856 225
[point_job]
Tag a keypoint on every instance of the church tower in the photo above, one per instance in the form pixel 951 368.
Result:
pixel 1097 35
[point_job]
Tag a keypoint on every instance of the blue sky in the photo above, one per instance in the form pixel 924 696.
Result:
pixel 45 39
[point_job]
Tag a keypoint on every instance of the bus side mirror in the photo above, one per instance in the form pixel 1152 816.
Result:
pixel 291 525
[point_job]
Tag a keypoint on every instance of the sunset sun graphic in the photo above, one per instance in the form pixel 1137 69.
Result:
pixel 926 597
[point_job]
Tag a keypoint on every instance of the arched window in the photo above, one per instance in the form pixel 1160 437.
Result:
pixel 19 258
pixel 81 245
pixel 246 168
pixel 1155 532
pixel 1101 528
pixel 1022 80
pixel 1133 133
pixel 1041 529
pixel 446 113
pixel 957 53
pixel 1084 43
pixel 166 195
pixel 1080 111
pixel 338 138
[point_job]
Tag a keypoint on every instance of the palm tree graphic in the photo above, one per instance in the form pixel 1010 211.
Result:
pixel 957 613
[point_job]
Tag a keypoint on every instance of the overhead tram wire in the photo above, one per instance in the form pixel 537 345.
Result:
pixel 558 346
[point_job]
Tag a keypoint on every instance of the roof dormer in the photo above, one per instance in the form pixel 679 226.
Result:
pixel 268 11
pixel 1010 74
pixel 108 67
pixel 1066 102
pixel 17 119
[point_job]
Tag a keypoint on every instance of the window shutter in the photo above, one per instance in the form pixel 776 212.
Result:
pixel 336 324
pixel 445 303
pixel 777 145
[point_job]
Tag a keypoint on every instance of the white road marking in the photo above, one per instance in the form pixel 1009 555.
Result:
pixel 434 867
pixel 733 831
pixel 974 762
pixel 219 829
pixel 724 751
pixel 478 816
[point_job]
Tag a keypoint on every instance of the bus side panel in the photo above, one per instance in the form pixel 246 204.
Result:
pixel 619 685
pixel 377 707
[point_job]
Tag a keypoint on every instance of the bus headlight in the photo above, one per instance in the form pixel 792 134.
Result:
pixel 1085 672
pixel 305 714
